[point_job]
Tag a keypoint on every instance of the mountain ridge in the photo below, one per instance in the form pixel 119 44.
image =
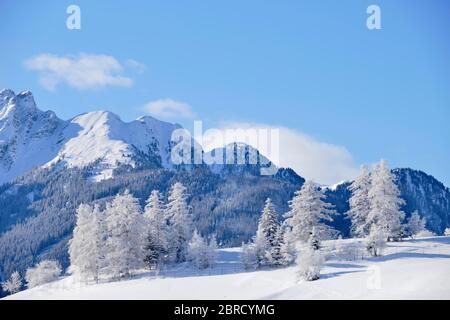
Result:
pixel 78 142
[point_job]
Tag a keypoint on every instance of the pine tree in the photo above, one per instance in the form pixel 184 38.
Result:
pixel 155 230
pixel 308 210
pixel 124 243
pixel 13 284
pixel 267 237
pixel 180 222
pixel 359 203
pixel 85 246
pixel 415 224
pixel 385 202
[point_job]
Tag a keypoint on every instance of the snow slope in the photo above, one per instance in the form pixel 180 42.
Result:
pixel 414 269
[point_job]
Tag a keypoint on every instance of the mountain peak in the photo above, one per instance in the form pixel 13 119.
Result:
pixel 20 106
pixel 26 100
pixel 5 96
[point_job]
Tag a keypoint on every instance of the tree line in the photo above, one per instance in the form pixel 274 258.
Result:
pixel 374 211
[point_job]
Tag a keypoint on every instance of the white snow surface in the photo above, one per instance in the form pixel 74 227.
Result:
pixel 413 269
pixel 31 138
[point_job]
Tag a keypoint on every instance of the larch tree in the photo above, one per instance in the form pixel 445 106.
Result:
pixel 85 246
pixel 415 224
pixel 201 253
pixel 44 272
pixel 13 284
pixel 124 242
pixel 309 211
pixel 385 202
pixel 156 231
pixel 180 222
pixel 359 203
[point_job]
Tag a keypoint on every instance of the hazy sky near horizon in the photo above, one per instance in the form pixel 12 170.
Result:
pixel 342 94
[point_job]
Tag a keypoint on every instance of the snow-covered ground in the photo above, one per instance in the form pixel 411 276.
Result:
pixel 413 269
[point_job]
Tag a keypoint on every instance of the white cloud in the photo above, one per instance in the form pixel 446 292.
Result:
pixel 136 65
pixel 169 109
pixel 322 162
pixel 83 71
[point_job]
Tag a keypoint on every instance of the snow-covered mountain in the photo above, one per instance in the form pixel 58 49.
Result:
pixel 236 157
pixel 30 137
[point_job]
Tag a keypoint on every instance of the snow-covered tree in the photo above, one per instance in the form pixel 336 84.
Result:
pixel 308 210
pixel 385 202
pixel 425 234
pixel 415 224
pixel 309 259
pixel 249 255
pixel 44 272
pixel 359 203
pixel 267 239
pixel 200 253
pixel 447 232
pixel 376 241
pixel 180 221
pixel 212 249
pixel 288 248
pixel 86 245
pixel 156 232
pixel 124 243
pixel 13 284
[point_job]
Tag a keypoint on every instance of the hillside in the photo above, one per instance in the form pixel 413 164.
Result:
pixel 398 274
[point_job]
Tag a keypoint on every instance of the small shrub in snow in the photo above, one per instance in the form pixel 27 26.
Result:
pixel 425 233
pixel 376 240
pixel 249 256
pixel 447 232
pixel 415 225
pixel 13 284
pixel 200 253
pixel 44 272
pixel 309 263
pixel 349 251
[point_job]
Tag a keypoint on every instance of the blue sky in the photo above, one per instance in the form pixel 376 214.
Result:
pixel 311 67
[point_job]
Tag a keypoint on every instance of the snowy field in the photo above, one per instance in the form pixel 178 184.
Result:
pixel 413 269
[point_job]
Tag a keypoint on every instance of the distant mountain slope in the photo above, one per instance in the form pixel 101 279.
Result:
pixel 30 138
pixel 427 195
